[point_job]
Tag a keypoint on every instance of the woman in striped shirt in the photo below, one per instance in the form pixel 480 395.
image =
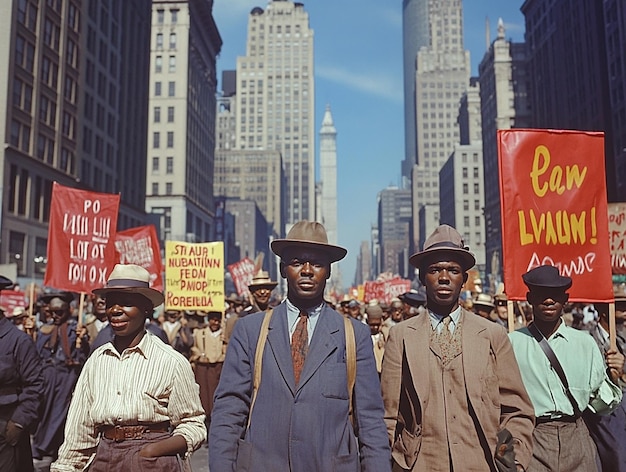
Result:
pixel 136 405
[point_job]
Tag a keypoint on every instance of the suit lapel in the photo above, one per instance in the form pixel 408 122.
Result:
pixel 324 342
pixel 475 346
pixel 416 340
pixel 278 338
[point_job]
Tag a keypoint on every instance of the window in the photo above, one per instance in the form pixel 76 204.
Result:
pixel 465 189
pixel 168 188
pixel 169 165
pixel 157 114
pixel 476 188
pixel 465 172
pixel 159 41
pixel 158 64
pixel 172 64
pixel 476 204
pixel 477 220
pixel 155 188
pixel 155 164
pixel 172 40
pixel 466 221
pixel 174 16
pixel 20 136
pixel 157 89
pixel 170 139
pixel 171 89
pixel 16 250
pixel 156 140
pixel 465 205
pixel 160 16
pixel 475 172
pixel 170 114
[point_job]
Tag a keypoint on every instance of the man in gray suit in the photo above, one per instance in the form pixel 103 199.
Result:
pixel 453 393
pixel 299 419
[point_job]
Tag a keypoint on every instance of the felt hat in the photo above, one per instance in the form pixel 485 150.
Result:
pixel 500 299
pixel 374 311
pixel 17 313
pixel 262 280
pixel 445 240
pixel 5 282
pixel 308 234
pixel 130 278
pixel 67 297
pixel 484 299
pixel 214 314
pixel 413 298
pixel 546 276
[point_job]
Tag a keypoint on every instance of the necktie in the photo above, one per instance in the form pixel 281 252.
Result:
pixel 299 345
pixel 444 336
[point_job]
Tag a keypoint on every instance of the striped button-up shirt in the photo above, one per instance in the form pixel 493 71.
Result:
pixel 148 383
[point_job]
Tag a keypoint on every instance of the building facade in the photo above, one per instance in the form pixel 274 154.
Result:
pixel 394 218
pixel 181 123
pixel 74 102
pixel 328 176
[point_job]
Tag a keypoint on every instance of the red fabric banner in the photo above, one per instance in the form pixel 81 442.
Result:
pixel 386 290
pixel 10 299
pixel 617 235
pixel 554 209
pixel 242 272
pixel 81 238
pixel 140 246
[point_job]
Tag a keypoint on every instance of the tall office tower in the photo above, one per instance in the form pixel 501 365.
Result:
pixel 181 124
pixel 225 115
pixel 363 264
pixel 567 63
pixel 394 218
pixel 276 97
pixel 328 175
pixel 251 231
pixel 73 91
pixel 441 77
pixel 504 105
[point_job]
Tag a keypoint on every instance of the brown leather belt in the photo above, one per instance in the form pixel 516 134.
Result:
pixel 121 433
pixel 559 419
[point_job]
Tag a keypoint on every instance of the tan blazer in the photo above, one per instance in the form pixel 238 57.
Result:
pixel 492 378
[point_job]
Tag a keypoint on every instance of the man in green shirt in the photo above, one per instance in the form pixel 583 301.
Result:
pixel 561 439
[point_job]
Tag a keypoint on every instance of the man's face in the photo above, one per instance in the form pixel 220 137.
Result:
pixel 502 310
pixel 262 296
pixel 99 308
pixel 397 311
pixel 444 280
pixel 374 324
pixel 59 310
pixel 547 303
pixel 214 323
pixel 306 271
pixel 126 313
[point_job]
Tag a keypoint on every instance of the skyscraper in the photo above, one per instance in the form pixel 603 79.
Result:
pixel 442 70
pixel 73 101
pixel 181 146
pixel 276 96
pixel 328 175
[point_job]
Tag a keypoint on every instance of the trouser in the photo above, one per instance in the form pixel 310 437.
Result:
pixel 124 456
pixel 16 458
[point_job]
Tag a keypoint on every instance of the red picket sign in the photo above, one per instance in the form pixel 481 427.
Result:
pixel 140 246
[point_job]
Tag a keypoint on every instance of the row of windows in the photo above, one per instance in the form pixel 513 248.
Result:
pixel 466 221
pixel 172 41
pixel 466 205
pixel 169 164
pixel 173 16
pixel 158 64
pixel 171 89
pixel 169 188
pixel 157 114
pixel 156 139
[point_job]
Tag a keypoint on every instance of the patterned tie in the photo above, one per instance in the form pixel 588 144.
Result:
pixel 299 345
pixel 444 340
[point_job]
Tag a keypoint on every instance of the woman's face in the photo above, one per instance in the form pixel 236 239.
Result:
pixel 126 312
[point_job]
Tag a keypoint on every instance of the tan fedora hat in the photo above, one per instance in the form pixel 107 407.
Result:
pixel 262 279
pixel 308 234
pixel 445 239
pixel 130 278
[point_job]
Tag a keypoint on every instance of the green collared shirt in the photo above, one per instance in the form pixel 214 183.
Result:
pixel 584 368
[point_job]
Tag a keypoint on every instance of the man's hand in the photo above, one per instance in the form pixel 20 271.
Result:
pixel 615 363
pixel 13 432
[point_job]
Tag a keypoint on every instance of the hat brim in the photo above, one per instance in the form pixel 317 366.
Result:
pixel 270 285
pixel 465 258
pixel 151 294
pixel 413 299
pixel 336 253
pixel 66 297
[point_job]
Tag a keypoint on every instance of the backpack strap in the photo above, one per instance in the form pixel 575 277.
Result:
pixel 350 364
pixel 258 360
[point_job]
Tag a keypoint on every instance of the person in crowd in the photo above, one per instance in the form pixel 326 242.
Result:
pixel 97 319
pixel 501 311
pixel 17 316
pixel 299 418
pixel 561 439
pixel 454 397
pixel 483 306
pixel 63 348
pixel 375 321
pixel 21 388
pixel 609 431
pixel 261 291
pixel 396 311
pixel 178 333
pixel 207 359
pixel 354 310
pixel 414 303
pixel 136 405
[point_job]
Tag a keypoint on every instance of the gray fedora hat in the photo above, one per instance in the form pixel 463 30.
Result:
pixel 308 234
pixel 130 278
pixel 445 239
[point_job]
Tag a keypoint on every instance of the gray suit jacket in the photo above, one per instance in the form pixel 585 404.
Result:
pixel 303 428
pixel 492 378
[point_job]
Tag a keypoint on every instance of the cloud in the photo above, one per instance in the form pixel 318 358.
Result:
pixel 383 86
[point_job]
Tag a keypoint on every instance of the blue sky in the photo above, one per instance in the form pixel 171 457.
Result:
pixel 358 71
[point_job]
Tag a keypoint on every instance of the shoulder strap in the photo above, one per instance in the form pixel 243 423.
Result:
pixel 258 360
pixel 350 362
pixel 556 365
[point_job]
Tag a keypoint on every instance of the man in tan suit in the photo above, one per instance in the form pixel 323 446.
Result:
pixel 451 385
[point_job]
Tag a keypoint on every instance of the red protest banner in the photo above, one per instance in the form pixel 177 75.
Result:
pixel 617 237
pixel 386 290
pixel 140 246
pixel 10 299
pixel 80 238
pixel 554 209
pixel 242 272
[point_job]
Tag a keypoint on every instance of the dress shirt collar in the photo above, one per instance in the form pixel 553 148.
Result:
pixel 436 320
pixel 561 331
pixel 142 347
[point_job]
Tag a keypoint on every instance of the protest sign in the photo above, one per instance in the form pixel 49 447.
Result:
pixel 617 237
pixel 386 290
pixel 81 236
pixel 242 272
pixel 194 276
pixel 10 299
pixel 554 209
pixel 140 246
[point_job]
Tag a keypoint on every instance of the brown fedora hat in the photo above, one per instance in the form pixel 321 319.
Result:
pixel 308 234
pixel 262 279
pixel 445 239
pixel 130 278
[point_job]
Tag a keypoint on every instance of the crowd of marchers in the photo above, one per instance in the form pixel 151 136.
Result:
pixel 434 380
